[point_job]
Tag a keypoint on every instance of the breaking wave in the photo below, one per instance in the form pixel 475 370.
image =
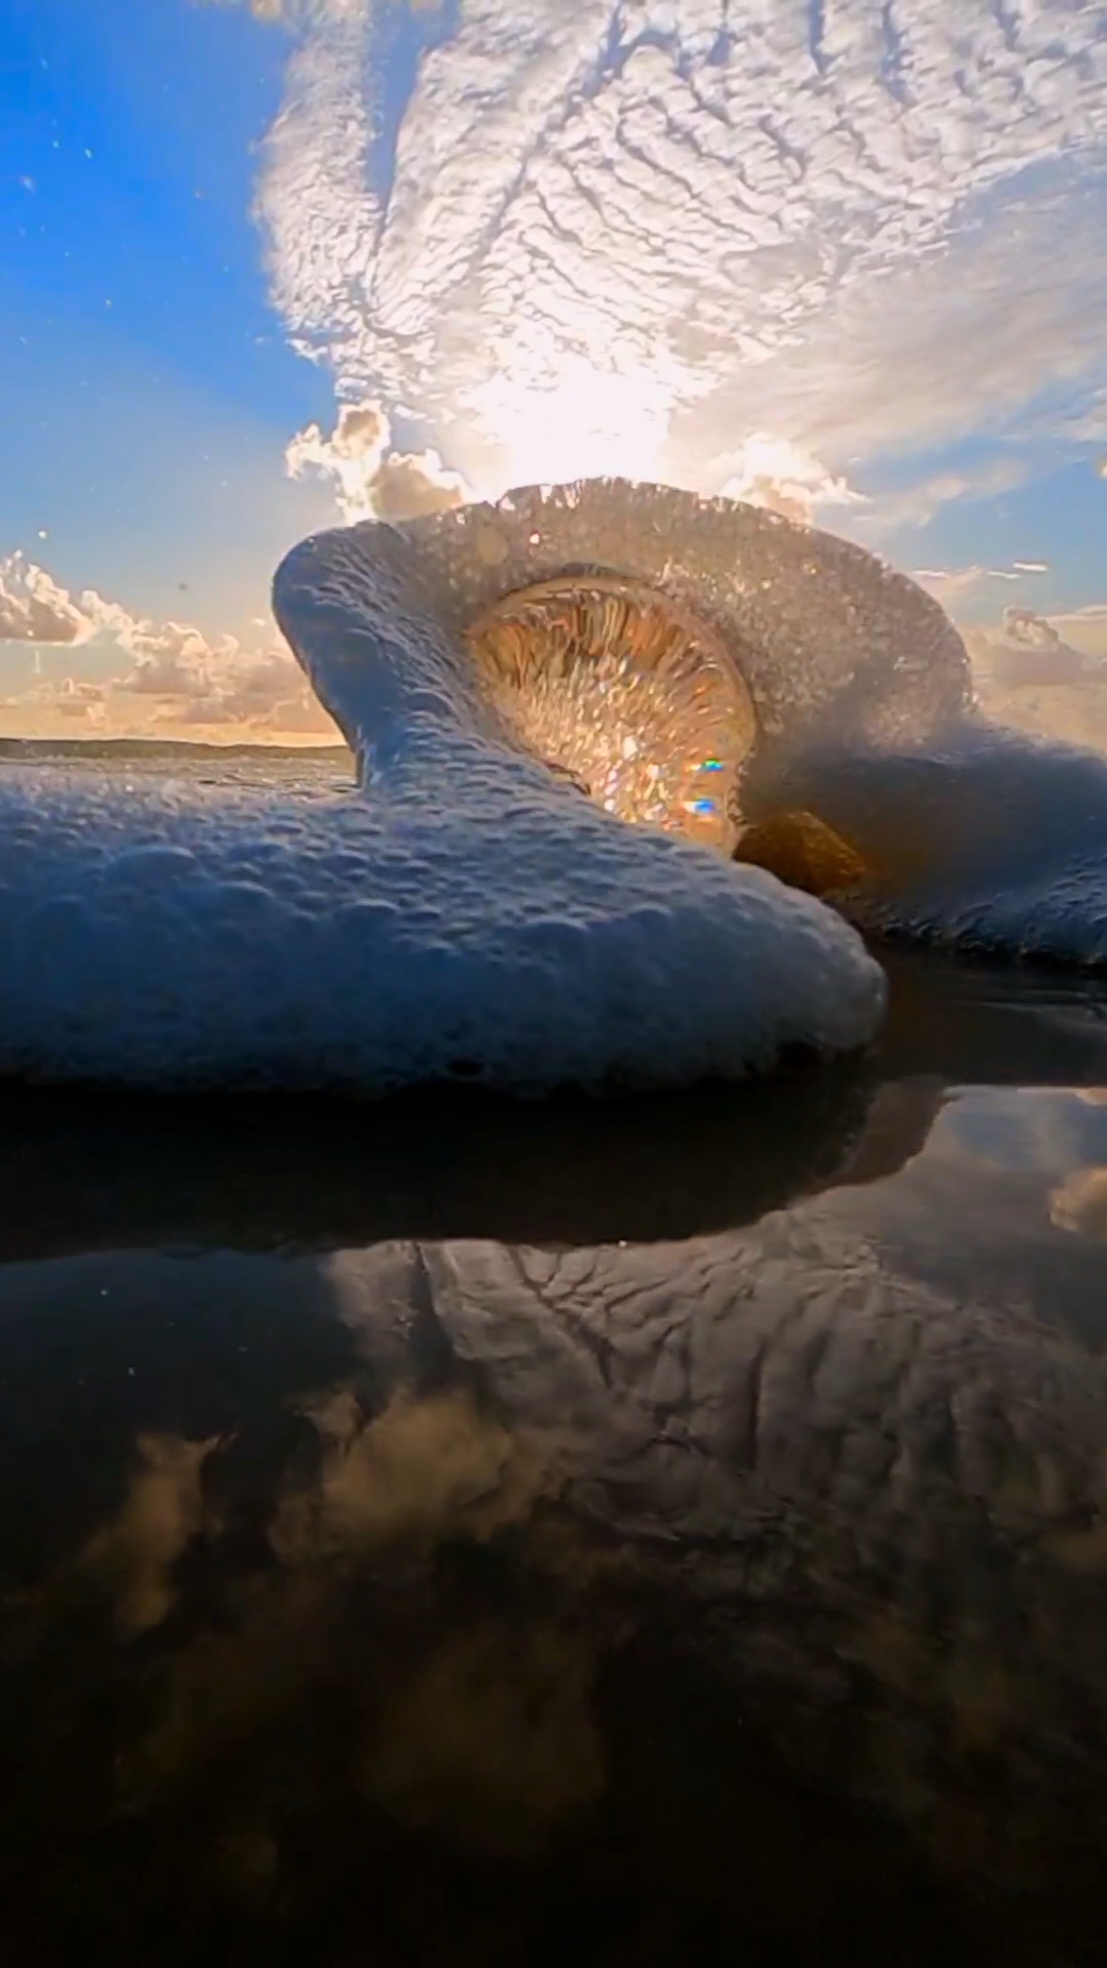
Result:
pixel 519 684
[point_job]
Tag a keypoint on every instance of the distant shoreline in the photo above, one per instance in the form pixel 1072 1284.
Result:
pixel 31 748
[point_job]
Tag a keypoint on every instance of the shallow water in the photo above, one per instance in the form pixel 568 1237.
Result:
pixel 296 770
pixel 450 1529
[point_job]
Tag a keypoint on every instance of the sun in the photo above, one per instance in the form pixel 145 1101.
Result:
pixel 588 421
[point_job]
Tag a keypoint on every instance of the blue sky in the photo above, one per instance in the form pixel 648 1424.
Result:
pixel 146 391
pixel 924 335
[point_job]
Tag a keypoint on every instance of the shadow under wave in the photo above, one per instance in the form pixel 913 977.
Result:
pixel 101 1171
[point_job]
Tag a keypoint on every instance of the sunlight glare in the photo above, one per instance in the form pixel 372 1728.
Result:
pixel 589 424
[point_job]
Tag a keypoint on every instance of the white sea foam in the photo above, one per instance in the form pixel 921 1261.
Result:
pixel 498 928
pixel 467 914
pixel 984 840
pixel 463 914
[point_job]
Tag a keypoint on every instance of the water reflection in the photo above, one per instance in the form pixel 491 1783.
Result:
pixel 616 1576
pixel 102 1174
pixel 1079 1203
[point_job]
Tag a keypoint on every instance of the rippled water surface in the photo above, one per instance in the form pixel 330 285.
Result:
pixel 462 1531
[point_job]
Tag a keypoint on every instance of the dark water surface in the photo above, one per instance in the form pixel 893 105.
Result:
pixel 455 1532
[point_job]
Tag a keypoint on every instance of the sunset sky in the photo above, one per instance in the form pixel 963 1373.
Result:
pixel 845 259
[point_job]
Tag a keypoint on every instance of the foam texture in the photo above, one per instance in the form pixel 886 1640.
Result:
pixel 463 914
pixel 481 925
pixel 466 913
pixel 982 840
pixel 830 640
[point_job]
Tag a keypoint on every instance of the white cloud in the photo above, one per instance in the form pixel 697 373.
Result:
pixel 916 503
pixel 33 608
pixel 351 456
pixel 170 674
pixel 1085 628
pixel 1075 633
pixel 72 698
pixel 370 480
pixel 633 234
pixel 1027 649
pixel 266 10
pixel 949 585
pixel 1026 626
pixel 301 13
pixel 170 658
pixel 411 483
pixel 780 476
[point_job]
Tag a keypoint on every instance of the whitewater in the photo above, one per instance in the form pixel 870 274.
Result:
pixel 463 913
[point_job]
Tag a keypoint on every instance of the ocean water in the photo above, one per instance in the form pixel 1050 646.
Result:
pixel 122 763
pixel 447 1525
pixel 450 1528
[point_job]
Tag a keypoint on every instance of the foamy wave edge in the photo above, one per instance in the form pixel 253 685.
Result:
pixel 981 840
pixel 461 916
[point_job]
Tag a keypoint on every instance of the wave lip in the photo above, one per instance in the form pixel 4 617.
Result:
pixel 830 641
